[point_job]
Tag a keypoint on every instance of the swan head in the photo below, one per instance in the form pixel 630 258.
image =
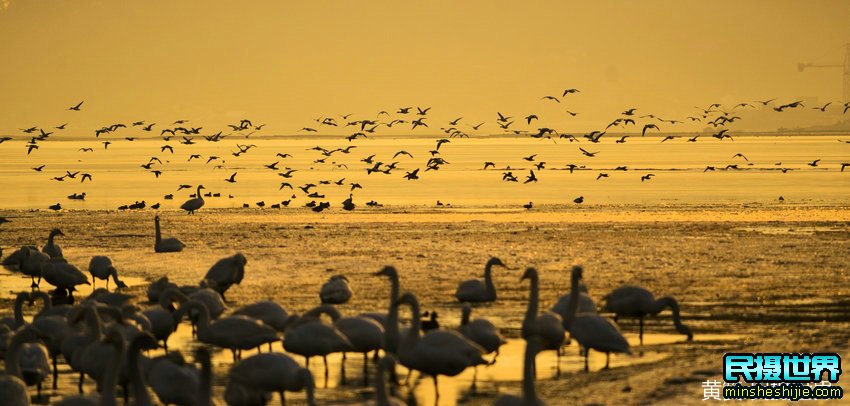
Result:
pixel 683 329
pixel 388 271
pixel 240 259
pixel 530 273
pixel 56 232
pixel 577 272
pixel 408 299
pixel 495 261
pixel 156 218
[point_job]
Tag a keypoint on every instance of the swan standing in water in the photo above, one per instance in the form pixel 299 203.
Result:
pixel 529 395
pixel 481 332
pixel 382 394
pixel 27 359
pixel 548 327
pixel 273 372
pixel 195 203
pixel 17 318
pixel 51 248
pixel 635 301
pixel 591 330
pixel 225 273
pixel 115 338
pixel 439 352
pixel 476 290
pixel 235 333
pixel 168 244
pixel 309 336
pixel 28 261
pixel 365 335
pixel 173 380
pixel 336 290
pixel 585 304
pixel 100 267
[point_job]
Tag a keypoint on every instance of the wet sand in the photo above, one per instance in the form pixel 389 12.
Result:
pixel 769 278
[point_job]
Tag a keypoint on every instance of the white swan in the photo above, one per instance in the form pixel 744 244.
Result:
pixel 27 359
pixel 336 290
pixel 17 318
pixel 52 248
pixel 168 244
pixel 548 327
pixel 63 275
pixel 585 304
pixel 100 267
pixel 115 338
pixel 439 352
pixel 389 320
pixel 267 311
pixel 307 335
pixel 273 372
pixel 195 203
pixel 365 335
pixel 591 330
pixel 235 333
pixel 476 290
pixel 28 261
pixel 529 395
pixel 53 329
pixel 225 273
pixel 173 380
pixel 481 332
pixel 635 301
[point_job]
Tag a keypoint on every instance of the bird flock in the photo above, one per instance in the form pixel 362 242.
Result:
pixel 106 336
pixel 181 135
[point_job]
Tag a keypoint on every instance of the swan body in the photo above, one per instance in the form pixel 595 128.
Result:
pixel 591 330
pixel 439 352
pixel 17 318
pixel 477 290
pixel 273 372
pixel 63 275
pixel 267 311
pixel 53 249
pixel 225 273
pixel 166 244
pixel 480 331
pixel 638 302
pixel 365 335
pixel 336 290
pixel 28 261
pixel 235 333
pixel 173 380
pixel 195 203
pixel 100 267
pixel 309 336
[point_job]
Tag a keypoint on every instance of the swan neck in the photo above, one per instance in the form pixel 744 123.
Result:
pixel 19 309
pixel 533 300
pixel 309 387
pixel 416 323
pixel 529 393
pixel 572 307
pixel 488 281
pixel 205 397
pixel 94 326
pixel 382 397
pixel 203 319
pixel 668 301
pixel 135 369
pixel 110 380
pixel 158 233
pixel 464 318
pixel 392 333
pixel 11 359
pixel 198 194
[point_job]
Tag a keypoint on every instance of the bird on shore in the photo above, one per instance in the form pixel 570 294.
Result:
pixel 477 290
pixel 638 302
pixel 195 203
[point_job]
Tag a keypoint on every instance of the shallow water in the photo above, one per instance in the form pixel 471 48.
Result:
pixel 678 166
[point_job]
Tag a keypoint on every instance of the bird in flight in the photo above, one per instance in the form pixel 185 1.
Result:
pixel 586 153
pixel 822 108
pixel 569 91
pixel 232 178
pixel 38 168
pixel 814 163
pixel 531 117
pixel 412 175
pixel 489 165
pixel 629 112
pixel 740 155
pixel 647 177
pixel 530 158
pixel 550 98
pixel 531 177
pixel 648 126
pixel 77 107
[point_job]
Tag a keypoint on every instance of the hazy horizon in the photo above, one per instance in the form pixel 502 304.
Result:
pixel 287 63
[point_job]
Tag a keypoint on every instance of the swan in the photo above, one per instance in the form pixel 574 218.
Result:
pixel 166 245
pixel 195 203
pixel 210 298
pixel 202 356
pixel 307 335
pixel 51 248
pixel 100 267
pixel 365 335
pixel 115 338
pixel 591 330
pixel 267 311
pixel 481 332
pixel 162 320
pixel 13 391
pixel 336 290
pixel 476 290
pixel 53 329
pixel 173 380
pixel 17 318
pixel 156 288
pixel 235 333
pixel 382 395
pixel 26 358
pixel 439 352
pixel 28 261
pixel 238 395
pixel 225 273
pixel 585 304
pixel 529 395
pixel 134 368
pixel 635 301
pixel 549 326
pixel 273 372
pixel 389 320
pixel 74 346
pixel 63 275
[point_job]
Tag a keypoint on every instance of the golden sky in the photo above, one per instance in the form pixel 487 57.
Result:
pixel 285 62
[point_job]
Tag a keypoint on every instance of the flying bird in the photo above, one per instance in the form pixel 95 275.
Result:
pixel 77 107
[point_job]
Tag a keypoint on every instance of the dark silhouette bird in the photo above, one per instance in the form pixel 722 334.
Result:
pixel 601 175
pixel 648 126
pixel 586 153
pixel 629 112
pixel 402 153
pixel 489 165
pixel 740 155
pixel 553 98
pixel 55 207
pixel 232 178
pixel 38 168
pixel 822 108
pixel 440 142
pixel 646 177
pixel 814 163
pixel 77 107
pixel 412 175
pixel 579 200
pixel 844 165
pixel 528 206
pixel 569 91
pixel 531 177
